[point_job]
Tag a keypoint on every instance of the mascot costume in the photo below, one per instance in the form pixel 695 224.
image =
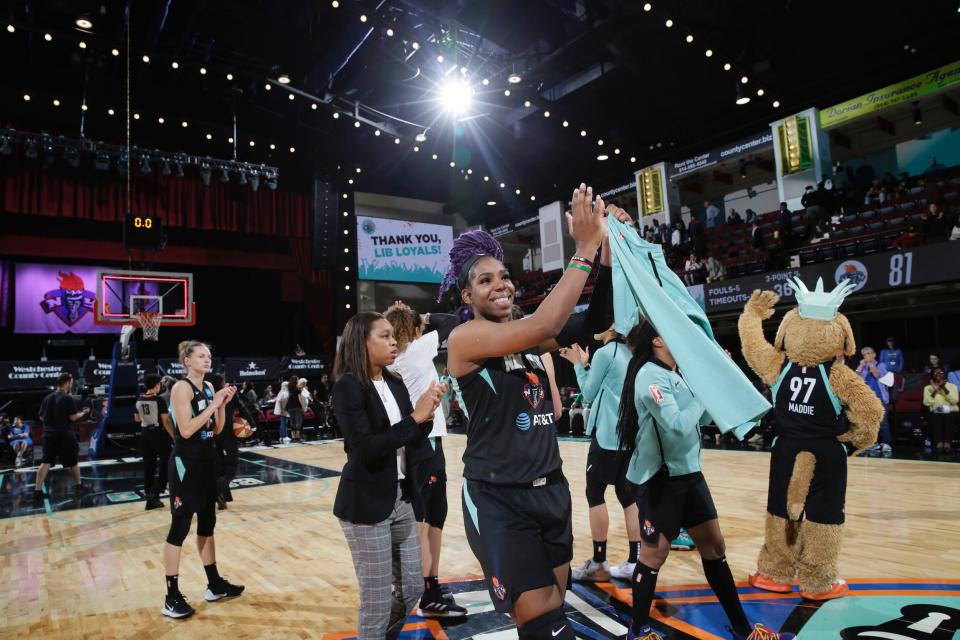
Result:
pixel 823 412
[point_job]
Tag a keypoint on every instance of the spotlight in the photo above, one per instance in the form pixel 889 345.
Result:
pixel 452 164
pixel 11 28
pixel 184 124
pixel 759 92
pixel 616 151
pixel 546 114
pixel 514 78
pixel 440 59
pixel 165 168
pixel 161 120
pixel 313 105
pixel 336 115
pixel 744 79
pixel 82 44
pixel 416 149
pixel 421 137
pixel 84 107
pixel 363 17
pixel 776 104
pixel 224 175
pixel 502 185
pixel 290 96
pixel 145 164
pixel 47 152
pixel 463 70
pixel 293 149
pixel 83 23
pixel 485 81
pixel 205 174
pixel 668 23
pixel 5 149
pixel 114 52
pixel 917 114
pixel 633 159
pixel 209 136
pixel 359 170
pixel 56 102
pixel 253 143
pixel 101 162
pixel 30 149
pixel 254 182
pixel 335 4
pixel 110 112
pixel 647 6
pixel 506 92
pixel 708 53
pixel 689 38
pixel 376 132
pixel 136 116
pixel 583 133
pixel 486 178
pixel 356 124
pixel 434 156
pixel 491 203
pixel 600 142
pixel 742 98
pixel 389 32
pixel 26 97
pixel 272 181
pixel 395 141
pixel 175 64
pixel 533 197
pixel 272 146
pixel 602 157
pixel 283 79
pixel 516 191
pixel 456 96
pixel 526 103
pixel 566 123
pixel 47 37
pixel 178 169
pixel 146 59
pixel 229 77
pixel 727 66
pixel 243 178
pixel 203 71
pixel 414 45
pixel 267 87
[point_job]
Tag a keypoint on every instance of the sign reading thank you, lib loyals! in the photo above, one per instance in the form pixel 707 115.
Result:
pixel 402 251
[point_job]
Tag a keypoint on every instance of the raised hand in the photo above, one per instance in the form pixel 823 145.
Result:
pixel 585 220
pixel 762 303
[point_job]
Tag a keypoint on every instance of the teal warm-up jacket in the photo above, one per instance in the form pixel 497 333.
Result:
pixel 601 386
pixel 643 285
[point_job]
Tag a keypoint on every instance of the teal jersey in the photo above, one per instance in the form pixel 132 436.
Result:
pixel 601 386
pixel 669 424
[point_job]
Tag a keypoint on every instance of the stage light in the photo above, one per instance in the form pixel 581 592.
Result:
pixel 136 116
pixel 486 178
pixel 376 132
pixel 30 149
pixel 744 79
pixel 255 182
pixel 668 23
pixel 283 79
pixel 47 37
pixel 440 59
pixel 600 142
pixel 101 161
pixel 359 170
pixel 83 23
pixel 526 103
pixel 229 77
pixel 516 191
pixel 290 96
pixel 110 112
pixel 267 87
pixel 165 168
pixel 363 17
pixel 708 53
pixel 5 149
pixel 230 140
pixel 485 81
pixel 583 133
pixel 633 158
pixel 689 38
pixel 396 141
pixel 463 71
pixel 502 185
pixel 421 137
pixel 272 146
pixel 416 149
pixel 203 71
pixel 356 124
pixel 414 45
pixel 742 98
pixel 313 106
pixel 349 180
pixel 434 156
pixel 84 107
pixel 146 59
pixel 546 114
pixel 242 179
pixel 224 175
pixel 175 64
pixel 470 171
pixel 514 78
pixel 759 92
pixel 184 124
pixel 491 203
pixel 11 28
pixel 335 4
pixel 72 157
pixel 452 164
pixel 389 32
pixel 506 92
pixel 293 149
pixel 616 151
pixel 161 120
pixel 272 182
pixel 533 197
pixel 456 96
pixel 727 66
pixel 647 6
pixel 336 115
pixel 253 143
pixel 178 169
pixel 114 52
pixel 776 104
pixel 145 164
pixel 56 102
pixel 82 44
pixel 602 157
pixel 566 123
pixel 205 174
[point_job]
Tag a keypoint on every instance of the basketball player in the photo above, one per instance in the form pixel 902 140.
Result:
pixel 601 382
pixel 156 438
pixel 198 414
pixel 659 411
pixel 516 501
pixel 414 365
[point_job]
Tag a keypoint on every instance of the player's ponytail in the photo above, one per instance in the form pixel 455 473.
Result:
pixel 640 342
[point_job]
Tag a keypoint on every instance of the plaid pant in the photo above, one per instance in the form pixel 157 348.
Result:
pixel 385 555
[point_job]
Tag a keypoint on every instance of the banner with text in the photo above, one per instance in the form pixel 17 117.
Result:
pixel 402 251
pixel 242 369
pixel 906 91
pixel 712 157
pixel 877 272
pixel 16 374
pixel 173 367
pixel 97 372
pixel 304 366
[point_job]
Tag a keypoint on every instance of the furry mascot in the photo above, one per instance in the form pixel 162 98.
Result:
pixel 818 401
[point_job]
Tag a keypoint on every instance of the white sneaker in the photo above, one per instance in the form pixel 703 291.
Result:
pixel 624 570
pixel 286 441
pixel 591 571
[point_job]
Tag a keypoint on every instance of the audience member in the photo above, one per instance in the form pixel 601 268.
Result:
pixel 892 357
pixel 934 362
pixel 908 238
pixel 934 224
pixel 693 271
pixel 715 269
pixel 268 393
pixel 734 217
pixel 934 166
pixel 904 184
pixel 872 372
pixel 751 216
pixel 676 238
pixel 249 394
pixel 759 245
pixel 888 182
pixel 18 437
pixel 785 218
pixel 940 397
pixel 698 236
pixel 711 213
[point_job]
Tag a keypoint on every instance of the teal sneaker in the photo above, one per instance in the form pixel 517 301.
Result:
pixel 683 542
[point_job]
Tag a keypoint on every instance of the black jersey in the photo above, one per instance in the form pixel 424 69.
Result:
pixel 511 433
pixel 804 405
pixel 201 443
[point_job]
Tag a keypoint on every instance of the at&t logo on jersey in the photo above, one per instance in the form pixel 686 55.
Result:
pixel 525 420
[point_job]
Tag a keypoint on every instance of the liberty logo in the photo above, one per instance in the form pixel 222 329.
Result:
pixel 533 390
pixel 71 302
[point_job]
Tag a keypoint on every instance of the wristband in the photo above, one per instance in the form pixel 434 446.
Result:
pixel 586 261
pixel 577 265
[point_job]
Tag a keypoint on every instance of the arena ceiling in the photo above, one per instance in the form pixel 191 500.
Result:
pixel 613 69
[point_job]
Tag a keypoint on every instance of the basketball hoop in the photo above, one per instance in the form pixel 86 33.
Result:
pixel 150 324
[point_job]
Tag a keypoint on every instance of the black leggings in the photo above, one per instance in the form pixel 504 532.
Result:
pixel 193 490
pixel 942 427
pixel 155 444
pixel 228 457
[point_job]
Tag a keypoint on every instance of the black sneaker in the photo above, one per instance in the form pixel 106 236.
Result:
pixel 434 605
pixel 38 497
pixel 80 489
pixel 221 503
pixel 153 502
pixel 176 606
pixel 222 590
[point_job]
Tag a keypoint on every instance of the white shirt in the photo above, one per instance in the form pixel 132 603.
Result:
pixel 415 367
pixel 393 414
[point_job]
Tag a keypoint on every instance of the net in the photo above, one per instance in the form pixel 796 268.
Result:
pixel 150 325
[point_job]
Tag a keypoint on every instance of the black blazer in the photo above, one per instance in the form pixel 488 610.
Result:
pixel 368 486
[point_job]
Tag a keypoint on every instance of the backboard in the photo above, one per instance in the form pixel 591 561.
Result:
pixel 122 294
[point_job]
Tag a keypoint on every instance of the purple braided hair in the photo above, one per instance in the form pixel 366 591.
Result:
pixel 467 249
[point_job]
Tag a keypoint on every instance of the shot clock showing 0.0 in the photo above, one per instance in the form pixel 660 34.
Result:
pixel 142 231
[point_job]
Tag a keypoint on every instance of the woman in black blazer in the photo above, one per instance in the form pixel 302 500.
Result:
pixel 383 434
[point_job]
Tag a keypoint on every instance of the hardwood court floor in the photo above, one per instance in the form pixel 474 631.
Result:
pixel 97 572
